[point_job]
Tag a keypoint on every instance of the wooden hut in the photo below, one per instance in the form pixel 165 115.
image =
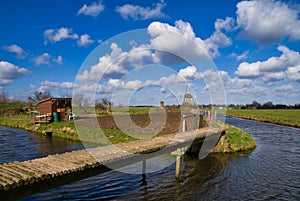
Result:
pixel 60 106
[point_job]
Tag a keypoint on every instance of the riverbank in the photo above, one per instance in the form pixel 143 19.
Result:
pixel 235 140
pixel 285 117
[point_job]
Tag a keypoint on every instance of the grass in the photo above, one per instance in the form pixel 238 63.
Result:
pixel 4 106
pixel 239 139
pixel 66 129
pixel 235 140
pixel 287 117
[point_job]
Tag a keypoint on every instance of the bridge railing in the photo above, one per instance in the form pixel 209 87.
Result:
pixel 199 117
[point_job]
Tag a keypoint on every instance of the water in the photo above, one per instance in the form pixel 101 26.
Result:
pixel 20 145
pixel 270 172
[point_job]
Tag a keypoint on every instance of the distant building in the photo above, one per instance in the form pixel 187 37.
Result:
pixel 62 106
pixel 188 100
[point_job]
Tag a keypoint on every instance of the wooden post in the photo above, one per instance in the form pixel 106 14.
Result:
pixel 184 125
pixel 177 171
pixel 196 121
pixel 144 172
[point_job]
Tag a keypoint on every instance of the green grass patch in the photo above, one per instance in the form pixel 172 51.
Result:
pixel 287 117
pixel 4 106
pixel 234 140
pixel 239 140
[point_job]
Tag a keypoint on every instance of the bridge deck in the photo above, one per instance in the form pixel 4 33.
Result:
pixel 17 174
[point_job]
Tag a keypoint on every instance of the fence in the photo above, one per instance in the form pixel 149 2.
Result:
pixel 197 118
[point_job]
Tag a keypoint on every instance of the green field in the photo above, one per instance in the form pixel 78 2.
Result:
pixel 4 106
pixel 287 117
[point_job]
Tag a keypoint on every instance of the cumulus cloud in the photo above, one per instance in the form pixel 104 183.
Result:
pixel 228 24
pixel 189 73
pixel 273 77
pixel 49 85
pixel 21 54
pixel 294 73
pixel 136 12
pixel 271 68
pixel 92 10
pixel 268 21
pixel 242 56
pixel 168 45
pixel 55 35
pixel 9 72
pixel 178 40
pixel 42 59
pixel 46 59
pixel 109 65
pixel 84 40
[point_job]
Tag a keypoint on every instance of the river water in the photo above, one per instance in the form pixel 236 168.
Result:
pixel 270 172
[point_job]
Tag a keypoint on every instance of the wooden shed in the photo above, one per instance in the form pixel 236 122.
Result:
pixel 63 106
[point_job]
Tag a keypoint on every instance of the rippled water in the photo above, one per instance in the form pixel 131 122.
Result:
pixel 20 145
pixel 270 172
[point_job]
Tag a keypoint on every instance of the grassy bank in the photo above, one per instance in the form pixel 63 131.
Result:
pixel 286 117
pixel 235 140
pixel 64 129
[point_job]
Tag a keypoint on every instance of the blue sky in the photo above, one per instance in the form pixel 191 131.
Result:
pixel 253 47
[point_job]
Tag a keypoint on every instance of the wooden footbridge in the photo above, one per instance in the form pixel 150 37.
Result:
pixel 17 176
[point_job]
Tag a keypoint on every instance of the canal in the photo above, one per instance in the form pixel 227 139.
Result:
pixel 270 172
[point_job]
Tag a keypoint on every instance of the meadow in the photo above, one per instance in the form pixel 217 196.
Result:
pixel 286 117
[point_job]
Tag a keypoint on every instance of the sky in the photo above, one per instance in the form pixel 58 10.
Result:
pixel 141 52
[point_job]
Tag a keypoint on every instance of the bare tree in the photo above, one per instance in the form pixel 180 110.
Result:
pixel 66 94
pixel 4 98
pixel 39 96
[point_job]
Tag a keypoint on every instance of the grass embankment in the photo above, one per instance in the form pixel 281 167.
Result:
pixel 64 129
pixel 235 140
pixel 286 117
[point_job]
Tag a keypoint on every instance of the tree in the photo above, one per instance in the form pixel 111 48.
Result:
pixel 39 96
pixel 105 105
pixel 268 105
pixel 4 98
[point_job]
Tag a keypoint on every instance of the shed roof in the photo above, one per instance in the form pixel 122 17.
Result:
pixel 48 99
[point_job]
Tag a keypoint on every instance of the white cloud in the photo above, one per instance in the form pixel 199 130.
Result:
pixel 288 58
pixel 267 21
pixel 48 85
pixel 46 59
pixel 216 41
pixel 242 56
pixel 284 88
pixel 248 70
pixel 93 10
pixel 9 72
pixel 165 44
pixel 109 65
pixel 179 40
pixel 42 59
pixel 84 40
pixel 227 24
pixel 189 73
pixel 294 73
pixel 58 60
pixel 136 12
pixel 272 77
pixel 16 49
pixel 55 35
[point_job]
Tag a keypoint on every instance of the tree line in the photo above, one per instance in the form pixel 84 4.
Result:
pixel 266 105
